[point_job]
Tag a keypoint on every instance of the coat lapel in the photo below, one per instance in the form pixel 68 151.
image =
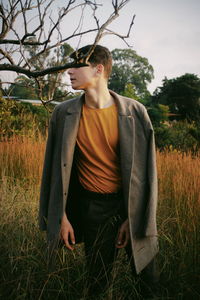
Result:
pixel 70 131
pixel 127 137
pixel 126 130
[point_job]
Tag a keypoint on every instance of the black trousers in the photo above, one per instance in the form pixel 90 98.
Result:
pixel 102 215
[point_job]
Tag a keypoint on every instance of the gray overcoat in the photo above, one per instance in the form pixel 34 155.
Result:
pixel 138 170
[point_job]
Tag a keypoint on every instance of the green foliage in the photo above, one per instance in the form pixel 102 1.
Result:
pixel 158 113
pixel 22 118
pixel 130 91
pixel 182 95
pixel 130 68
pixel 23 88
pixel 179 97
pixel 181 135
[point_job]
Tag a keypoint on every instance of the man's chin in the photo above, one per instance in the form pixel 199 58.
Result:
pixel 76 88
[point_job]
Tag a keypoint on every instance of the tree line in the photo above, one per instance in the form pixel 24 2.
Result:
pixel 174 107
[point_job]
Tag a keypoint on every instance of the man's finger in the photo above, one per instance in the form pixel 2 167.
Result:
pixel 119 239
pixel 126 240
pixel 66 241
pixel 69 246
pixel 72 237
pixel 123 239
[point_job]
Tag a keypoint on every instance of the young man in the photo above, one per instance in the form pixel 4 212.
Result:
pixel 99 180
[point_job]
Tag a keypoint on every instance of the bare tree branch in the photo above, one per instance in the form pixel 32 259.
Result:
pixel 7 55
pixel 62 41
pixel 35 74
pixel 123 37
pixel 25 50
pixel 103 28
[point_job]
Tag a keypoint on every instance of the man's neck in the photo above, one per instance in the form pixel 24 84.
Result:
pixel 98 98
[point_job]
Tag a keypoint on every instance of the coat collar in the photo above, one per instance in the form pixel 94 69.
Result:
pixel 77 104
pixel 74 105
pixel 123 109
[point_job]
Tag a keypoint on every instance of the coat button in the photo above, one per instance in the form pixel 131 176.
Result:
pixel 64 165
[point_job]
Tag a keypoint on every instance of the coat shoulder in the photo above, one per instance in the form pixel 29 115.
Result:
pixel 136 109
pixel 134 105
pixel 128 106
pixel 66 106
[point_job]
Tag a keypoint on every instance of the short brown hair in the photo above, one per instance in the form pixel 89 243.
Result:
pixel 100 55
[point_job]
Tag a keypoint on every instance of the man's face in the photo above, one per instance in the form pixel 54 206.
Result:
pixel 83 78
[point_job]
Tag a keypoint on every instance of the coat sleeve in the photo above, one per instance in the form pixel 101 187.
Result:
pixel 46 176
pixel 152 194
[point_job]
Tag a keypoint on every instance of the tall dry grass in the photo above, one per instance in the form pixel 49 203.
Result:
pixel 22 246
pixel 179 221
pixel 21 157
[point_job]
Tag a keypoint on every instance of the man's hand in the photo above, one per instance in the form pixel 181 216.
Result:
pixel 123 235
pixel 67 232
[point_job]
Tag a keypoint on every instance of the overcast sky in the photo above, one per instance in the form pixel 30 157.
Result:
pixel 166 32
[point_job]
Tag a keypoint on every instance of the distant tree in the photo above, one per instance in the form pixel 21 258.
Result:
pixel 130 68
pixel 49 87
pixel 158 113
pixel 182 95
pixel 23 88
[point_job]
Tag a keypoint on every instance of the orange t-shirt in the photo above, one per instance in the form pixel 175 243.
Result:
pixel 98 150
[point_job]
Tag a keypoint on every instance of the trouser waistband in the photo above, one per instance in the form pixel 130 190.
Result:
pixel 103 196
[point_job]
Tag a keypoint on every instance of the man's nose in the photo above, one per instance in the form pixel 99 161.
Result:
pixel 70 71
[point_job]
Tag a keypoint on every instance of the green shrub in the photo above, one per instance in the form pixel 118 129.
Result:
pixel 22 118
pixel 181 135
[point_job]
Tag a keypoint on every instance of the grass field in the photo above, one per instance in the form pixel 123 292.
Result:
pixel 23 262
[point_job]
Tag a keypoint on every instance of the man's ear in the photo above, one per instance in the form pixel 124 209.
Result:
pixel 100 69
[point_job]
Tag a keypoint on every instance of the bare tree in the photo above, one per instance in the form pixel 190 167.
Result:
pixel 40 22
